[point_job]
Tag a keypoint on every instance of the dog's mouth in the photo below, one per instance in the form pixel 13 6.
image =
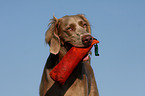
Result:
pixel 86 58
pixel 68 46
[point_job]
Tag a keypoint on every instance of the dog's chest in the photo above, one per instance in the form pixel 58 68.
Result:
pixel 78 88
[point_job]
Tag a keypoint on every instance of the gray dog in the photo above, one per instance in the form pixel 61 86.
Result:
pixel 63 34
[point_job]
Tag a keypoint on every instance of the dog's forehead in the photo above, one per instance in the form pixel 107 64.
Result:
pixel 66 20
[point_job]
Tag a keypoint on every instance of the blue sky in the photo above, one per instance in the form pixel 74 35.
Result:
pixel 119 25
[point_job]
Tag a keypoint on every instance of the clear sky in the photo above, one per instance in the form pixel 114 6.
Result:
pixel 119 25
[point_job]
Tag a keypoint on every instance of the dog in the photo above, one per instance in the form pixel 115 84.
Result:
pixel 64 33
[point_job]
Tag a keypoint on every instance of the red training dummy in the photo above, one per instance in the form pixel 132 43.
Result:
pixel 65 67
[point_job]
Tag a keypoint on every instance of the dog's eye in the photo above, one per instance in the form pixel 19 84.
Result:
pixel 85 25
pixel 69 29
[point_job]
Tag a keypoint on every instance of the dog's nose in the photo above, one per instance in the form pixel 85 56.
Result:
pixel 87 40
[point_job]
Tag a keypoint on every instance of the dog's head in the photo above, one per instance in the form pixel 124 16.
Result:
pixel 69 31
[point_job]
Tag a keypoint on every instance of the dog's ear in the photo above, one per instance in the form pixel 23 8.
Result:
pixel 85 19
pixel 51 36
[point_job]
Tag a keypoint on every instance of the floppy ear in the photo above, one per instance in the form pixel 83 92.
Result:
pixel 88 24
pixel 52 38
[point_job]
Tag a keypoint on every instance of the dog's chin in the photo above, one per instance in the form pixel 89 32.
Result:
pixel 68 46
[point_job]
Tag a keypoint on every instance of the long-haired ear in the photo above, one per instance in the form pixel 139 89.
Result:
pixel 85 19
pixel 51 36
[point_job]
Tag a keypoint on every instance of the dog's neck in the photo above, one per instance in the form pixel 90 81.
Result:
pixel 64 48
pixel 62 52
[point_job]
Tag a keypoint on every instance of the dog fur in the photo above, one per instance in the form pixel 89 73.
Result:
pixel 62 34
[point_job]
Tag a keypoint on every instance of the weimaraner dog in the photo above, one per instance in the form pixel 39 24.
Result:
pixel 63 34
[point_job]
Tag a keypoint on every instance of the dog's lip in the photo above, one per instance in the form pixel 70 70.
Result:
pixel 69 46
pixel 86 58
pixel 80 46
